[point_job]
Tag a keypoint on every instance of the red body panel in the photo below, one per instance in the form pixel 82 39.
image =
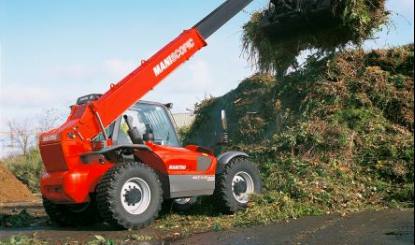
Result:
pixel 75 185
pixel 72 186
pixel 174 156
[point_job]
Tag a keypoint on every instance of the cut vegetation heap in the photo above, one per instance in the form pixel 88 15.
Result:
pixel 335 135
pixel 276 36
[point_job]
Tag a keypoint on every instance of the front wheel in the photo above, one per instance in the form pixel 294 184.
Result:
pixel 129 195
pixel 239 179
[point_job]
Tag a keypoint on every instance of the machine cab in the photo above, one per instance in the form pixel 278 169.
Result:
pixel 149 118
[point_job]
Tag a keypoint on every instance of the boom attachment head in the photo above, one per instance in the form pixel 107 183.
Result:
pixel 289 17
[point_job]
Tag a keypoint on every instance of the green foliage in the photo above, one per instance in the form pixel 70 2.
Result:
pixel 403 193
pixel 275 37
pixel 27 169
pixel 274 206
pixel 183 133
pixel 239 104
pixel 264 209
pixel 335 135
pixel 100 240
pixel 22 240
pixel 21 219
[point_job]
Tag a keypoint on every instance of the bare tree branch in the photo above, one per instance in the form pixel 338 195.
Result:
pixel 21 135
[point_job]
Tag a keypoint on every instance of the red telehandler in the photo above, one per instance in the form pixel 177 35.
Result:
pixel 117 158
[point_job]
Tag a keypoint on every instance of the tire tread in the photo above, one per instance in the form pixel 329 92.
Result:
pixel 223 194
pixel 106 199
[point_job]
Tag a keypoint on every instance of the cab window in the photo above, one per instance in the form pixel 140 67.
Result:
pixel 109 130
pixel 148 117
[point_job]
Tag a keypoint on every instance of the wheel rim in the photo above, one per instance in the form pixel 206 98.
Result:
pixel 182 201
pixel 242 186
pixel 135 196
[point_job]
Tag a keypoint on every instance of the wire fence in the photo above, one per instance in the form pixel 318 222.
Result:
pixel 34 132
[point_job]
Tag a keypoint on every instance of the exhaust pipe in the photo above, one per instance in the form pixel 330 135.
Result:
pixel 224 123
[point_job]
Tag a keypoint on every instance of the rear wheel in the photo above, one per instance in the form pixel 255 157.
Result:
pixel 239 179
pixel 71 214
pixel 129 196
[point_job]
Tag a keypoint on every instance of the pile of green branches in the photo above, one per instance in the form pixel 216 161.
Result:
pixel 275 37
pixel 337 133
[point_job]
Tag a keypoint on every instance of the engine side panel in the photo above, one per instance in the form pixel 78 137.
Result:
pixel 190 172
pixel 191 185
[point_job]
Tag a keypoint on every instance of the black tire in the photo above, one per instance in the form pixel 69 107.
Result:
pixel 112 207
pixel 184 204
pixel 224 190
pixel 72 214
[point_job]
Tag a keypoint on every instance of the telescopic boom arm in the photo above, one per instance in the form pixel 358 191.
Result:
pixel 129 90
pixel 215 20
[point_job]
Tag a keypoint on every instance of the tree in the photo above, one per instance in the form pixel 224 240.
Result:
pixel 21 135
pixel 23 132
pixel 49 119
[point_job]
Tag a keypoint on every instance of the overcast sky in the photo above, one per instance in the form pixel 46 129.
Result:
pixel 55 51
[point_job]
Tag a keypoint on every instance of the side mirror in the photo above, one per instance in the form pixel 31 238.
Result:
pixel 224 137
pixel 169 106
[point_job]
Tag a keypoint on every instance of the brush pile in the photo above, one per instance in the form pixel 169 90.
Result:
pixel 274 38
pixel 336 134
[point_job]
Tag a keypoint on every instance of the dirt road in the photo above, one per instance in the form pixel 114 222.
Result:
pixel 371 227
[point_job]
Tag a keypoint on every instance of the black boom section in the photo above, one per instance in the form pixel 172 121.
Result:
pixel 220 16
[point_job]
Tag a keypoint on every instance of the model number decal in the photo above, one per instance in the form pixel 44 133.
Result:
pixel 177 167
pixel 204 177
pixel 173 57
